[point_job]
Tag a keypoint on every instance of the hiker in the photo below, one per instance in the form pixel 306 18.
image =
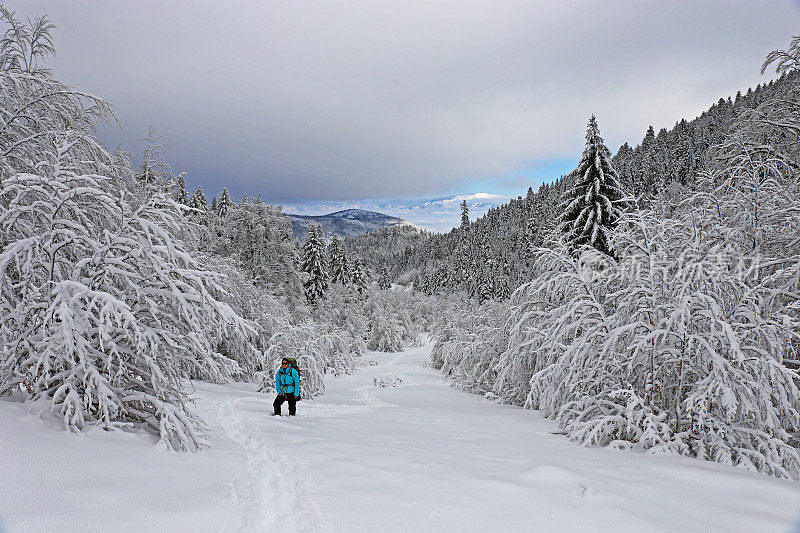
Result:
pixel 287 385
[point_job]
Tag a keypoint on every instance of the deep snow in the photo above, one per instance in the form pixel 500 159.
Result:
pixel 414 455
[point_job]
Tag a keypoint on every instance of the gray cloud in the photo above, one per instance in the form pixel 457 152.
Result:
pixel 334 100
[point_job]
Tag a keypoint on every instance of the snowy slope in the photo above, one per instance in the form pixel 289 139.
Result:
pixel 416 456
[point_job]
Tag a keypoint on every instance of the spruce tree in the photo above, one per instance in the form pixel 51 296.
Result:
pixel 383 281
pixel 347 267
pixel 179 190
pixel 501 290
pixel 338 263
pixel 485 287
pixel 312 262
pixel 649 139
pixel 464 214
pixel 358 276
pixel 225 204
pixel 594 203
pixel 198 200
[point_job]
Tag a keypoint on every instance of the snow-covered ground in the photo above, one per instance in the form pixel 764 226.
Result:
pixel 413 455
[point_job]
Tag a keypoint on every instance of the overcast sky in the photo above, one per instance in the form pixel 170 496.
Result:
pixel 303 101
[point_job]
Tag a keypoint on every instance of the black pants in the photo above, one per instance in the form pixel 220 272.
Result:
pixel 288 397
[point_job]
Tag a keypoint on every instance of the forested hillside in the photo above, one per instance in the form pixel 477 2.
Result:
pixel 669 324
pixel 347 223
pixel 493 256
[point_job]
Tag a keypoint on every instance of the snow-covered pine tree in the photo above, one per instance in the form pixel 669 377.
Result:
pixel 337 262
pixel 347 267
pixel 358 275
pixel 595 202
pixel 501 290
pixel 179 189
pixel 464 214
pixel 313 263
pixel 384 283
pixel 198 200
pixel 485 286
pixel 225 203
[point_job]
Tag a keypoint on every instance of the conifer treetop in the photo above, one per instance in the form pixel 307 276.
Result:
pixel 594 204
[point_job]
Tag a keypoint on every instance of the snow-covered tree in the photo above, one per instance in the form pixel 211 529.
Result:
pixel 338 262
pixel 224 204
pixel 179 189
pixel 385 334
pixel 259 237
pixel 25 46
pixel 501 290
pixel 358 275
pixel 33 104
pixel 104 311
pixel 153 170
pixel 384 283
pixel 468 344
pixel 314 264
pixel 786 61
pixel 595 202
pixel 198 200
pixel 464 214
pixel 485 286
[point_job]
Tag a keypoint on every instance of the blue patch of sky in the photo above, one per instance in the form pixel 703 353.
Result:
pixel 510 184
pixel 516 182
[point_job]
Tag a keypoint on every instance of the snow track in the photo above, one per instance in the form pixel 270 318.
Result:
pixel 268 494
pixel 390 448
pixel 394 448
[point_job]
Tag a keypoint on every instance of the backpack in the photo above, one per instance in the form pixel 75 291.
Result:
pixel 293 364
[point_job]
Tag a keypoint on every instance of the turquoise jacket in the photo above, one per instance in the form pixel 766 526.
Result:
pixel 287 381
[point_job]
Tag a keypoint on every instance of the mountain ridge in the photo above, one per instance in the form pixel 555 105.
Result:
pixel 434 213
pixel 345 223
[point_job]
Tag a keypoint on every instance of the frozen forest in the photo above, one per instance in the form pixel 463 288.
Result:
pixel 646 303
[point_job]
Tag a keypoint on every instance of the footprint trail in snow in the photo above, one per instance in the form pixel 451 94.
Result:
pixel 394 448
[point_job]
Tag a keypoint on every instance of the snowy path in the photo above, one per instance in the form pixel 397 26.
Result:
pixel 419 456
pixel 422 457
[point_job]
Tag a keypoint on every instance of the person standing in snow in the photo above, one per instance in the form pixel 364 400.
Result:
pixel 287 385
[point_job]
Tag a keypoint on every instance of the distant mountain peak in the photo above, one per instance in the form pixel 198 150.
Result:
pixel 345 223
